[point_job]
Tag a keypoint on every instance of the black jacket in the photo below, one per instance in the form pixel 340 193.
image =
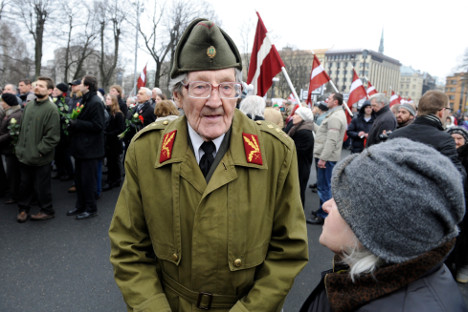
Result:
pixel 147 112
pixel 429 130
pixel 357 125
pixel 87 131
pixel 115 127
pixel 384 120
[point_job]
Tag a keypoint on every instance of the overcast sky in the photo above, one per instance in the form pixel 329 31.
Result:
pixel 430 36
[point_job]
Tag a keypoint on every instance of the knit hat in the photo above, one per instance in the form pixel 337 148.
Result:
pixel 62 87
pixel 204 46
pixel 323 106
pixel 9 99
pixel 401 198
pixel 459 130
pixel 305 113
pixel 409 108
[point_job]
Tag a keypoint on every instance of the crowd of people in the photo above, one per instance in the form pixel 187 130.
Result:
pixel 208 237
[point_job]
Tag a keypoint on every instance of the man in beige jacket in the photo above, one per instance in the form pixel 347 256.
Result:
pixel 327 150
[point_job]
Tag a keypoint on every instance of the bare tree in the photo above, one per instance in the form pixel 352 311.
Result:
pixel 34 15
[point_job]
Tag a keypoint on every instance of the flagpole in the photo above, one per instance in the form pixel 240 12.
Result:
pixel 285 73
pixel 345 104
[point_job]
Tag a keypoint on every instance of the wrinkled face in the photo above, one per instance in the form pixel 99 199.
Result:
pixel 459 139
pixel 296 119
pixel 210 117
pixel 336 233
pixel 142 96
pixel 403 116
pixel 41 91
pixel 9 89
pixel 113 91
pixel 375 106
pixel 24 88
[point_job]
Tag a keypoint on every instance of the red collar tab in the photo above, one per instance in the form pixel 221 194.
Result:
pixel 252 149
pixel 166 149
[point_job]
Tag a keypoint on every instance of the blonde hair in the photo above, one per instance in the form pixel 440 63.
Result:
pixel 165 108
pixel 114 108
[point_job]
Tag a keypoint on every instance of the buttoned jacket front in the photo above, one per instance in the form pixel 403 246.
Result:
pixel 242 235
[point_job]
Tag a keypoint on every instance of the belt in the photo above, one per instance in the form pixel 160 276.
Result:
pixel 203 300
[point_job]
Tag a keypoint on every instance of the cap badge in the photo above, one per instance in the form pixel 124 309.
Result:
pixel 166 149
pixel 252 149
pixel 211 52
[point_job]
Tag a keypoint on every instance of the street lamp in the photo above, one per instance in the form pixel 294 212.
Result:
pixel 365 53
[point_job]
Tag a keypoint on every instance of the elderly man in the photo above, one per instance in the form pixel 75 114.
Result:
pixel 384 121
pixel 192 229
pixel 11 89
pixel 406 113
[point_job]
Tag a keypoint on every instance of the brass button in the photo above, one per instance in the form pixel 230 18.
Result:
pixel 165 122
pixel 259 122
pixel 237 262
pixel 175 257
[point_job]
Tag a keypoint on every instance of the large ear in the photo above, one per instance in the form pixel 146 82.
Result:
pixel 177 98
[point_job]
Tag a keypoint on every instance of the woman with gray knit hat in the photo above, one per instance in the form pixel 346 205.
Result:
pixel 458 259
pixel 391 231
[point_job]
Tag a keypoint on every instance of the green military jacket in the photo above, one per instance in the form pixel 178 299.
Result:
pixel 234 244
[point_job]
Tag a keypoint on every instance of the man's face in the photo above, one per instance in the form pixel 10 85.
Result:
pixel 142 96
pixel 83 88
pixel 375 106
pixel 41 90
pixel 24 88
pixel 211 117
pixel 331 102
pixel 403 116
pixel 9 89
pixel 154 94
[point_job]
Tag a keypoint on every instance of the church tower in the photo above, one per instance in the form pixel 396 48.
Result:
pixel 381 48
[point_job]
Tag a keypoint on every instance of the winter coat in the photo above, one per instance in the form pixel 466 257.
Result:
pixel 242 236
pixel 147 112
pixel 357 125
pixel 421 284
pixel 39 133
pixel 87 131
pixel 115 127
pixel 329 135
pixel 384 120
pixel 6 146
pixel 304 141
pixel 428 129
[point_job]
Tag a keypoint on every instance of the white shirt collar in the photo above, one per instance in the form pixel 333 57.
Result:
pixel 197 141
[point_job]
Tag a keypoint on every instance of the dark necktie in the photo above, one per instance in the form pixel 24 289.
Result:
pixel 207 159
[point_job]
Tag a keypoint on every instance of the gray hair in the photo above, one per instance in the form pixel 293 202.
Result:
pixel 176 84
pixel 12 86
pixel 360 260
pixel 148 91
pixel 252 105
pixel 380 98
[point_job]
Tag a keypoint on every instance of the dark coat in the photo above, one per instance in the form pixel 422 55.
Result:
pixel 304 141
pixel 147 112
pixel 87 131
pixel 6 146
pixel 123 106
pixel 421 284
pixel 384 120
pixel 357 125
pixel 115 127
pixel 428 130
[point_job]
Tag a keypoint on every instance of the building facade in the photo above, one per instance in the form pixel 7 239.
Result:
pixel 456 88
pixel 411 84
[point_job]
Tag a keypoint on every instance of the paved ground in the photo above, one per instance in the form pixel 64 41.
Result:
pixel 63 264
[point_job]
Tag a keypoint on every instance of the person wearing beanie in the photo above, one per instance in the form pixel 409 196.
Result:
pixel 406 115
pixel 253 106
pixel 384 263
pixel 13 115
pixel 210 214
pixel 428 127
pixel 301 133
pixel 385 120
pixel 327 151
pixel 458 259
pixel 358 129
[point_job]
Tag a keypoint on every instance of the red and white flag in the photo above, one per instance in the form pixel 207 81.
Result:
pixel 265 61
pixel 371 89
pixel 394 99
pixel 357 91
pixel 142 79
pixel 318 77
pixel 292 99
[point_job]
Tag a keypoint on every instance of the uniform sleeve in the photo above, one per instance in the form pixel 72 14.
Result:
pixel 131 252
pixel 287 253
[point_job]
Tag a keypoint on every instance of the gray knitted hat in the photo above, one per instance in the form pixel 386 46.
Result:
pixel 459 130
pixel 409 108
pixel 401 198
